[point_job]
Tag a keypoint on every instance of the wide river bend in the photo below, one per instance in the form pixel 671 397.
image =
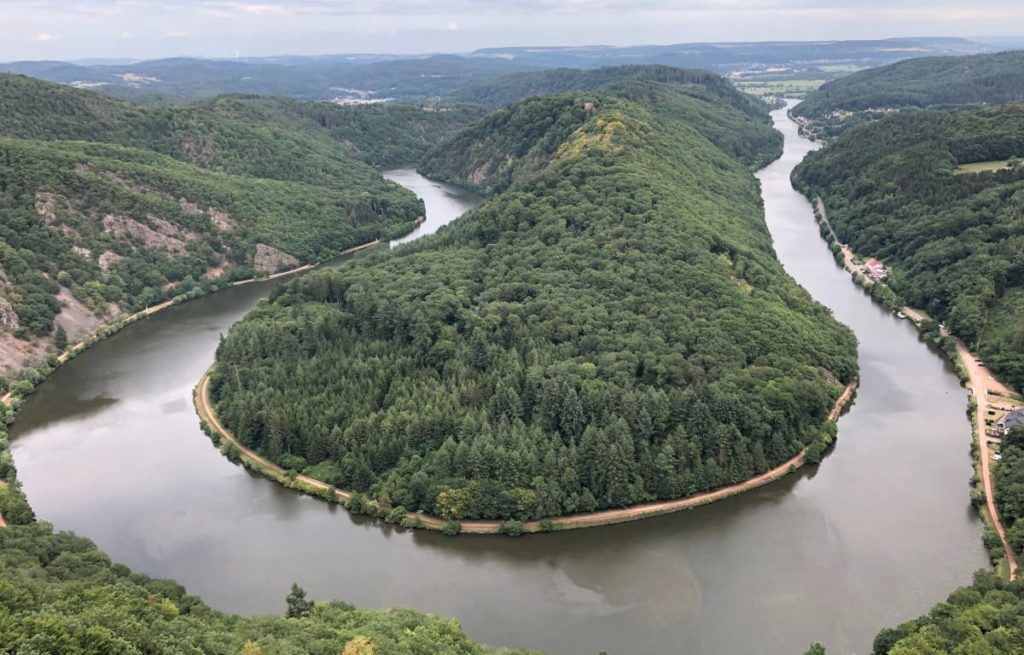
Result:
pixel 110 448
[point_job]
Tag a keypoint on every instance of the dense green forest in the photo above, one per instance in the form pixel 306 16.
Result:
pixel 985 618
pixel 59 595
pixel 988 79
pixel 124 206
pixel 261 136
pixel 521 139
pixel 1009 487
pixel 611 328
pixel 517 86
pixel 893 191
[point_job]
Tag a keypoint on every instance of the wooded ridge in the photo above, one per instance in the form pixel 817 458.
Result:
pixel 611 327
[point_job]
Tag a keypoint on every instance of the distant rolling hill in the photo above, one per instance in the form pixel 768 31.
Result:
pixel 388 76
pixel 985 79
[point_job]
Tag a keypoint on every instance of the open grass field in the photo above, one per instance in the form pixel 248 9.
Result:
pixel 777 87
pixel 841 68
pixel 983 166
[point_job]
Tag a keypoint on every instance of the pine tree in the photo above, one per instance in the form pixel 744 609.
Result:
pixel 297 605
pixel 60 338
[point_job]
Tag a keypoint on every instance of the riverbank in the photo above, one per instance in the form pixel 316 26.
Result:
pixel 306 484
pixel 110 329
pixel 11 400
pixel 973 374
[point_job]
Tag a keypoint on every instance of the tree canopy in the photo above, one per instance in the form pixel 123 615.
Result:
pixel 983 618
pixel 611 327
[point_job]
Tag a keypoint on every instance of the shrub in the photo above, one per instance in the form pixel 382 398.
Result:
pixel 396 515
pixel 14 507
pixel 451 528
pixel 330 494
pixel 411 522
pixel 512 528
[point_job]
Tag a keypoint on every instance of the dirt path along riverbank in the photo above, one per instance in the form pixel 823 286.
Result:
pixel 592 519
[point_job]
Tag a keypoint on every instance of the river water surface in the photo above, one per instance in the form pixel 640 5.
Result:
pixel 110 447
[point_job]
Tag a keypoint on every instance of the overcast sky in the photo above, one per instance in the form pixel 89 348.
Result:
pixel 75 29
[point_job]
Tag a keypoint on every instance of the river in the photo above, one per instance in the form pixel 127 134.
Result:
pixel 110 447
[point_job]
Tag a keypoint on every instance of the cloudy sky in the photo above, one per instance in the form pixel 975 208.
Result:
pixel 74 29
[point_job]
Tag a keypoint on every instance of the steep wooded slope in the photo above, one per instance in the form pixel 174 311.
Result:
pixel 109 207
pixel 893 191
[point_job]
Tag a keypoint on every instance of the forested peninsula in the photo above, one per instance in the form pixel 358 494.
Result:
pixel 109 207
pixel 611 327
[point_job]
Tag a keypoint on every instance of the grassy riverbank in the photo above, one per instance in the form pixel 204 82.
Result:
pixel 360 504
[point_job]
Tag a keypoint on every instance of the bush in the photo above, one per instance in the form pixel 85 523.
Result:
pixel 512 528
pixel 396 515
pixel 411 522
pixel 451 528
pixel 231 451
pixel 14 507
pixel 22 387
pixel 359 504
pixel 330 494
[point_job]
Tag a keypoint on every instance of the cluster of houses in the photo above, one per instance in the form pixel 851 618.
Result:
pixel 875 270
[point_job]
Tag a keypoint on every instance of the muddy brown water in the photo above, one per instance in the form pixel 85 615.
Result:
pixel 110 448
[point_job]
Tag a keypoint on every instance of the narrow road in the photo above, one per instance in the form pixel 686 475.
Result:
pixel 849 262
pixel 982 385
pixel 592 519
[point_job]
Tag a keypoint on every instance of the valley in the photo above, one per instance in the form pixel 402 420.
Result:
pixel 172 505
pixel 585 314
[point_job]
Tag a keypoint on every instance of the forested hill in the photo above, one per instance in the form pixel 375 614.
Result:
pixel 517 86
pixel 894 190
pixel 109 207
pixel 264 136
pixel 611 328
pixel 987 79
pixel 522 138
pixel 63 596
